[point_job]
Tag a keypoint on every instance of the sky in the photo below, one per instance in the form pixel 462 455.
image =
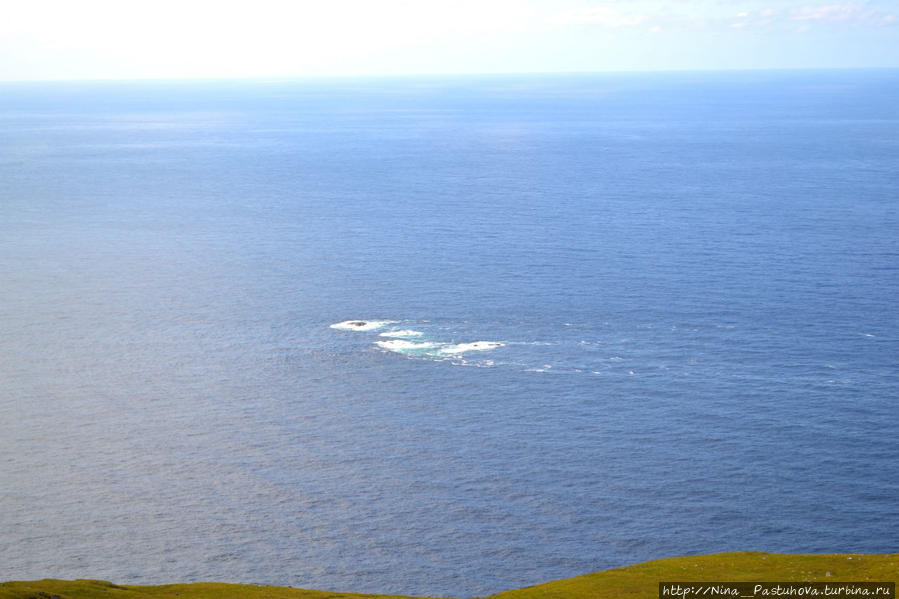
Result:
pixel 137 39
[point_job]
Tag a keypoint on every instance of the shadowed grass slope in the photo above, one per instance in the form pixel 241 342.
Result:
pixel 637 581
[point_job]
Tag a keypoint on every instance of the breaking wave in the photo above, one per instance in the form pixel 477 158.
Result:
pixel 402 333
pixel 474 346
pixel 408 342
pixel 361 325
pixel 402 347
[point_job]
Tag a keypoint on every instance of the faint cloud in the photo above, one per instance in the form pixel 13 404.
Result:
pixel 602 16
pixel 698 15
pixel 827 12
pixel 847 12
pixel 802 17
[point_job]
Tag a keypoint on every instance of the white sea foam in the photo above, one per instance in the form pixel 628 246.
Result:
pixel 361 325
pixel 474 346
pixel 402 346
pixel 403 333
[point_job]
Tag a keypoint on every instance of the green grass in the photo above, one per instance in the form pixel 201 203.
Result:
pixel 637 581
pixel 88 589
pixel 642 580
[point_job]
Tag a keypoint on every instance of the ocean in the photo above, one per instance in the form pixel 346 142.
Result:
pixel 445 335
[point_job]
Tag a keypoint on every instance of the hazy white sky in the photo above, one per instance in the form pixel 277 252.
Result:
pixel 91 39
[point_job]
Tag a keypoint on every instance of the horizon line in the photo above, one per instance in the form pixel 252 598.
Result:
pixel 351 76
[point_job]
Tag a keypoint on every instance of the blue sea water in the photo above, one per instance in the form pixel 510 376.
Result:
pixel 688 283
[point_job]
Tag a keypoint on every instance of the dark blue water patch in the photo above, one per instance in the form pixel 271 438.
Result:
pixel 690 279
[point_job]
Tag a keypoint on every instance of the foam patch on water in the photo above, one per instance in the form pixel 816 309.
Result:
pixel 474 346
pixel 361 325
pixel 417 344
pixel 402 333
pixel 402 346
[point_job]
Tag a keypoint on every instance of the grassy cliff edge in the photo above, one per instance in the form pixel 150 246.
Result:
pixel 637 581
